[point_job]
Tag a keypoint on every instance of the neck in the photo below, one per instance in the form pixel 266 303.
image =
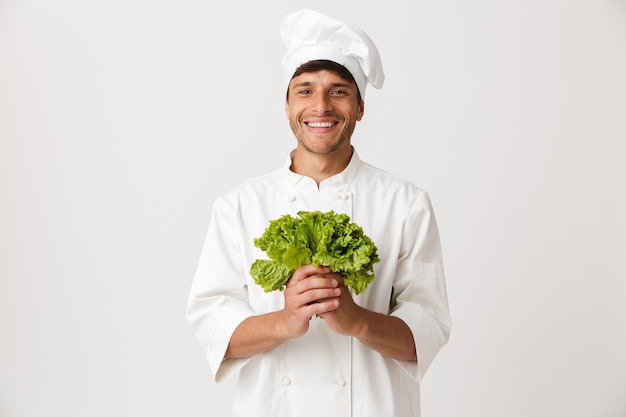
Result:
pixel 320 166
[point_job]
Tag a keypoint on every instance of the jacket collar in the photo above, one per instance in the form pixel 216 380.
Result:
pixel 336 181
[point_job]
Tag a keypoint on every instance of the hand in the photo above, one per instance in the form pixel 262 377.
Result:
pixel 311 290
pixel 348 318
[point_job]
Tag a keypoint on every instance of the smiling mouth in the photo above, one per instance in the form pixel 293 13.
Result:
pixel 321 124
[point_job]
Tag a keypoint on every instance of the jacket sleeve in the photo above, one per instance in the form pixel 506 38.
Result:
pixel 218 300
pixel 420 296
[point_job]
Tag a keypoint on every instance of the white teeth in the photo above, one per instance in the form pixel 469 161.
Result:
pixel 320 124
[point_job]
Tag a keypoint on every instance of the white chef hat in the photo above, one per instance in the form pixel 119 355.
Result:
pixel 310 35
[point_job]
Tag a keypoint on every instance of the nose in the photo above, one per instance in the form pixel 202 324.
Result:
pixel 322 104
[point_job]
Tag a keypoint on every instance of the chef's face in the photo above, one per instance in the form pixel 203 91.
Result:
pixel 323 109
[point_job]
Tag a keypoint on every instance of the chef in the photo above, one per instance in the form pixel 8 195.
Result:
pixel 316 348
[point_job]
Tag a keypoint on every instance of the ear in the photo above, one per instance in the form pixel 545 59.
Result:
pixel 287 108
pixel 360 111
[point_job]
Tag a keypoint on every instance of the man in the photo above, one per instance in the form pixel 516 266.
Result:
pixel 317 349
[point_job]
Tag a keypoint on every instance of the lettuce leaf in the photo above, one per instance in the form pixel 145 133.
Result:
pixel 318 238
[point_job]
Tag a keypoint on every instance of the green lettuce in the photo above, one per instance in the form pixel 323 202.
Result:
pixel 327 239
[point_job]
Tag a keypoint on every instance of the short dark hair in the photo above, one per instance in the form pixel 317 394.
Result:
pixel 326 65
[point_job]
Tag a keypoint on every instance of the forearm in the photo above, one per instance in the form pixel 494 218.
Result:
pixel 388 335
pixel 256 334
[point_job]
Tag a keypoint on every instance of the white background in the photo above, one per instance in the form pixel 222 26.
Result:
pixel 122 121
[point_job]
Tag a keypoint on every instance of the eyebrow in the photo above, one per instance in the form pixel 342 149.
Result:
pixel 333 85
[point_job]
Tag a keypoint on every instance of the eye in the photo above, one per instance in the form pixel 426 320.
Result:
pixel 304 91
pixel 339 92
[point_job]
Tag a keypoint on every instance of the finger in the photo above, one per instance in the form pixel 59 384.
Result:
pixel 316 282
pixel 310 283
pixel 306 271
pixel 309 291
pixel 320 295
pixel 337 276
pixel 321 307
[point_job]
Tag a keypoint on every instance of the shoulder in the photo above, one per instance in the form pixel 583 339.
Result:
pixel 256 185
pixel 389 183
pixel 252 194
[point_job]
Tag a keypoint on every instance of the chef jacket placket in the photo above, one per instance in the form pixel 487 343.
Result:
pixel 304 195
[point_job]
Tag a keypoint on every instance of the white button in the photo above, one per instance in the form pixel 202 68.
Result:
pixel 343 196
pixel 292 198
pixel 286 380
pixel 341 382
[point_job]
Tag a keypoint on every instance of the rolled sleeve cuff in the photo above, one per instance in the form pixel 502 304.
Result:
pixel 426 344
pixel 227 323
pixel 424 308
